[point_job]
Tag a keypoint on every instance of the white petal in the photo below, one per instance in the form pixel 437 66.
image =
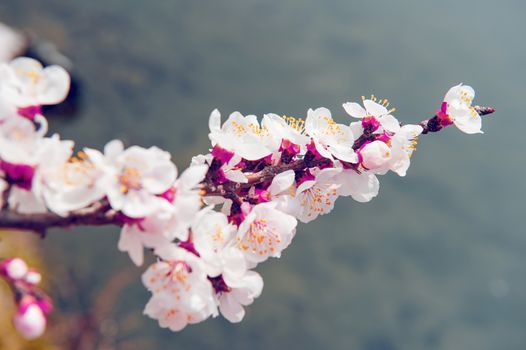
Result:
pixel 54 86
pixel 230 309
pixel 138 204
pixel 344 152
pixel 305 186
pixel 26 64
pixel 113 148
pixel 130 242
pixel 374 109
pixel 390 123
pixel 25 202
pixel 354 110
pixel 192 176
pixel 236 176
pixel 362 187
pixel 322 150
pixel 356 129
pixel 456 92
pixel 158 179
pixel 282 182
pixel 214 123
pixel 469 123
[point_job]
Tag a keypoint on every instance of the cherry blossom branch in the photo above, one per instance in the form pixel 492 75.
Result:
pixel 100 213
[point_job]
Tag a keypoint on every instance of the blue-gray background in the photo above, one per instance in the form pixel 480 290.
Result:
pixel 437 261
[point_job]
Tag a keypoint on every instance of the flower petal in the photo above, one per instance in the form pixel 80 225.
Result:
pixel 354 110
pixel 390 123
pixel 375 109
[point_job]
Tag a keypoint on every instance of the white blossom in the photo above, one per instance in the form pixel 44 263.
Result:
pixel 317 196
pixel 74 183
pixel 187 201
pixel 284 128
pixel 459 109
pixel 403 144
pixel 212 236
pixel 282 192
pixel 25 82
pixel 265 232
pixel 145 233
pixel 182 294
pixel 242 292
pixel 332 140
pixel 373 109
pixel 211 232
pixel 136 177
pixel 20 141
pixel 239 134
pixel 362 187
pixel 25 201
pixel 50 156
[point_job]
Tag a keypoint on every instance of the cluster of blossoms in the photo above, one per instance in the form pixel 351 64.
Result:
pixel 232 209
pixel 32 304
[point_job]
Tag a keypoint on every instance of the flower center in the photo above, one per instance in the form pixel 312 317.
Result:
pixel 260 238
pixel 332 127
pixel 79 169
pixel 238 128
pixel 33 75
pixel 464 97
pixel 219 284
pixel 130 179
pixel 258 130
pixel 297 124
pixel 317 200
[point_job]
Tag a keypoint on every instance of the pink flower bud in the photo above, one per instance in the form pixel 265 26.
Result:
pixel 375 155
pixel 33 277
pixel 14 268
pixel 30 321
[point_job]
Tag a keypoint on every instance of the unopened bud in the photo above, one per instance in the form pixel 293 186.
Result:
pixel 30 321
pixel 14 268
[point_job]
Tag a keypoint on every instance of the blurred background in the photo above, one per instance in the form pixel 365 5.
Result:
pixel 437 261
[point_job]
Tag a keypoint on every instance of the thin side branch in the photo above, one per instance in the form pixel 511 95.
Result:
pixel 433 124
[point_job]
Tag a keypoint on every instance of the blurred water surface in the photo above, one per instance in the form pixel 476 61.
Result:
pixel 437 261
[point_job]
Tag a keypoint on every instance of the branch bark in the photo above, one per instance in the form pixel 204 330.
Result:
pixel 97 214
